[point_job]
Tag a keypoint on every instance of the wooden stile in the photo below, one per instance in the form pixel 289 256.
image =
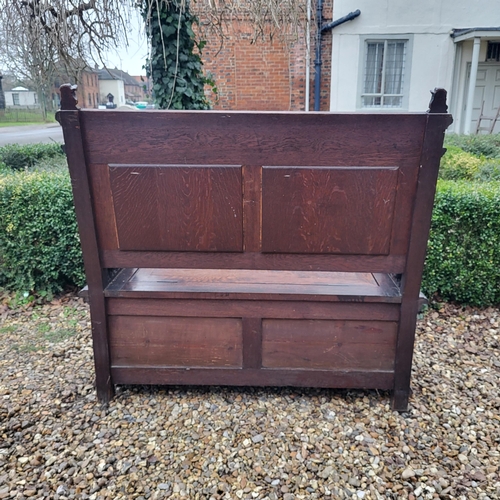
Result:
pixel 250 248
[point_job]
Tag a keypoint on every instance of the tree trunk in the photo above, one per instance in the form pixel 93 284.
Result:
pixel 2 95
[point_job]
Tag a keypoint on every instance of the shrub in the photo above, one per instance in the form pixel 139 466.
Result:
pixel 458 164
pixel 489 170
pixel 39 244
pixel 463 255
pixel 20 156
pixel 479 145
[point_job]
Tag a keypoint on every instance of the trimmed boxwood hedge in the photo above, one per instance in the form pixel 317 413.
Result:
pixel 40 249
pixel 463 255
pixel 39 245
pixel 21 156
pixel 458 164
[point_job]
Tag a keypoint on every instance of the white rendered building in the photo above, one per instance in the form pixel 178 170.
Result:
pixel 396 51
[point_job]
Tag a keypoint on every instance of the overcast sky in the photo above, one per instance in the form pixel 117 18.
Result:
pixel 132 58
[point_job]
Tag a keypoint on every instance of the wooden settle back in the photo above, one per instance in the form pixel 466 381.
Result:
pixel 247 190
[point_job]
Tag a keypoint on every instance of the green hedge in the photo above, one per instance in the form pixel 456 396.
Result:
pixel 487 145
pixel 463 256
pixel 40 250
pixel 39 244
pixel 21 156
pixel 457 164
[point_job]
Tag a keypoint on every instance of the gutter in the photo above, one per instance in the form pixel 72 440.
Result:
pixel 321 28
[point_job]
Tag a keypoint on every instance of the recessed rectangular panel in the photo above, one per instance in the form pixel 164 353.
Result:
pixel 324 344
pixel 178 208
pixel 182 342
pixel 335 210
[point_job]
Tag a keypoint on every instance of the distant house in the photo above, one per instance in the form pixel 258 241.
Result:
pixel 89 89
pixel 21 97
pixel 145 86
pixel 121 85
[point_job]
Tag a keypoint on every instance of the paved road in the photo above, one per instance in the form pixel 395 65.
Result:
pixel 27 134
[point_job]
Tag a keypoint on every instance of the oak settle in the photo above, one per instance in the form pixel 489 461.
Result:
pixel 253 248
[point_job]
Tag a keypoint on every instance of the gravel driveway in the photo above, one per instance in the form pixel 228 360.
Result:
pixel 225 443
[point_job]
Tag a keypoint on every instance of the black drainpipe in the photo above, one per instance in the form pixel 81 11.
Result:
pixel 320 29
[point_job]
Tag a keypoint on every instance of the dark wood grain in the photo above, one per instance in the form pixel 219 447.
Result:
pixel 222 308
pixel 252 342
pixel 252 207
pixel 411 280
pixel 313 344
pixel 189 208
pixel 243 138
pixel 194 342
pixel 247 260
pixel 93 268
pixel 254 285
pixel 269 126
pixel 364 379
pixel 346 211
pixel 105 219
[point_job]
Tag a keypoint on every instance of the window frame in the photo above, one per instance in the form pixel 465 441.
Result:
pixel 384 38
pixel 493 51
pixel 16 97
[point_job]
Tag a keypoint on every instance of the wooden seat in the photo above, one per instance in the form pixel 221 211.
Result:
pixel 253 285
pixel 253 248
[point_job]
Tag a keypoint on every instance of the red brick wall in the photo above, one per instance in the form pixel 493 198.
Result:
pixel 144 85
pixel 88 90
pixel 265 75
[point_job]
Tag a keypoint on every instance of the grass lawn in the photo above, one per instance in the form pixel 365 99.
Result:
pixel 15 117
pixel 17 124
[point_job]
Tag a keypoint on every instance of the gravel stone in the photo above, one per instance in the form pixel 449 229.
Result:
pixel 57 442
pixel 407 473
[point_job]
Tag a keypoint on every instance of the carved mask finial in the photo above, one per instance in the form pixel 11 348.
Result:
pixel 438 101
pixel 68 97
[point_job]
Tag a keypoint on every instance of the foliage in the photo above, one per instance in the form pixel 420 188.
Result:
pixel 174 63
pixel 471 157
pixel 458 164
pixel 56 164
pixel 463 256
pixel 39 245
pixel 489 170
pixel 18 156
pixel 479 145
